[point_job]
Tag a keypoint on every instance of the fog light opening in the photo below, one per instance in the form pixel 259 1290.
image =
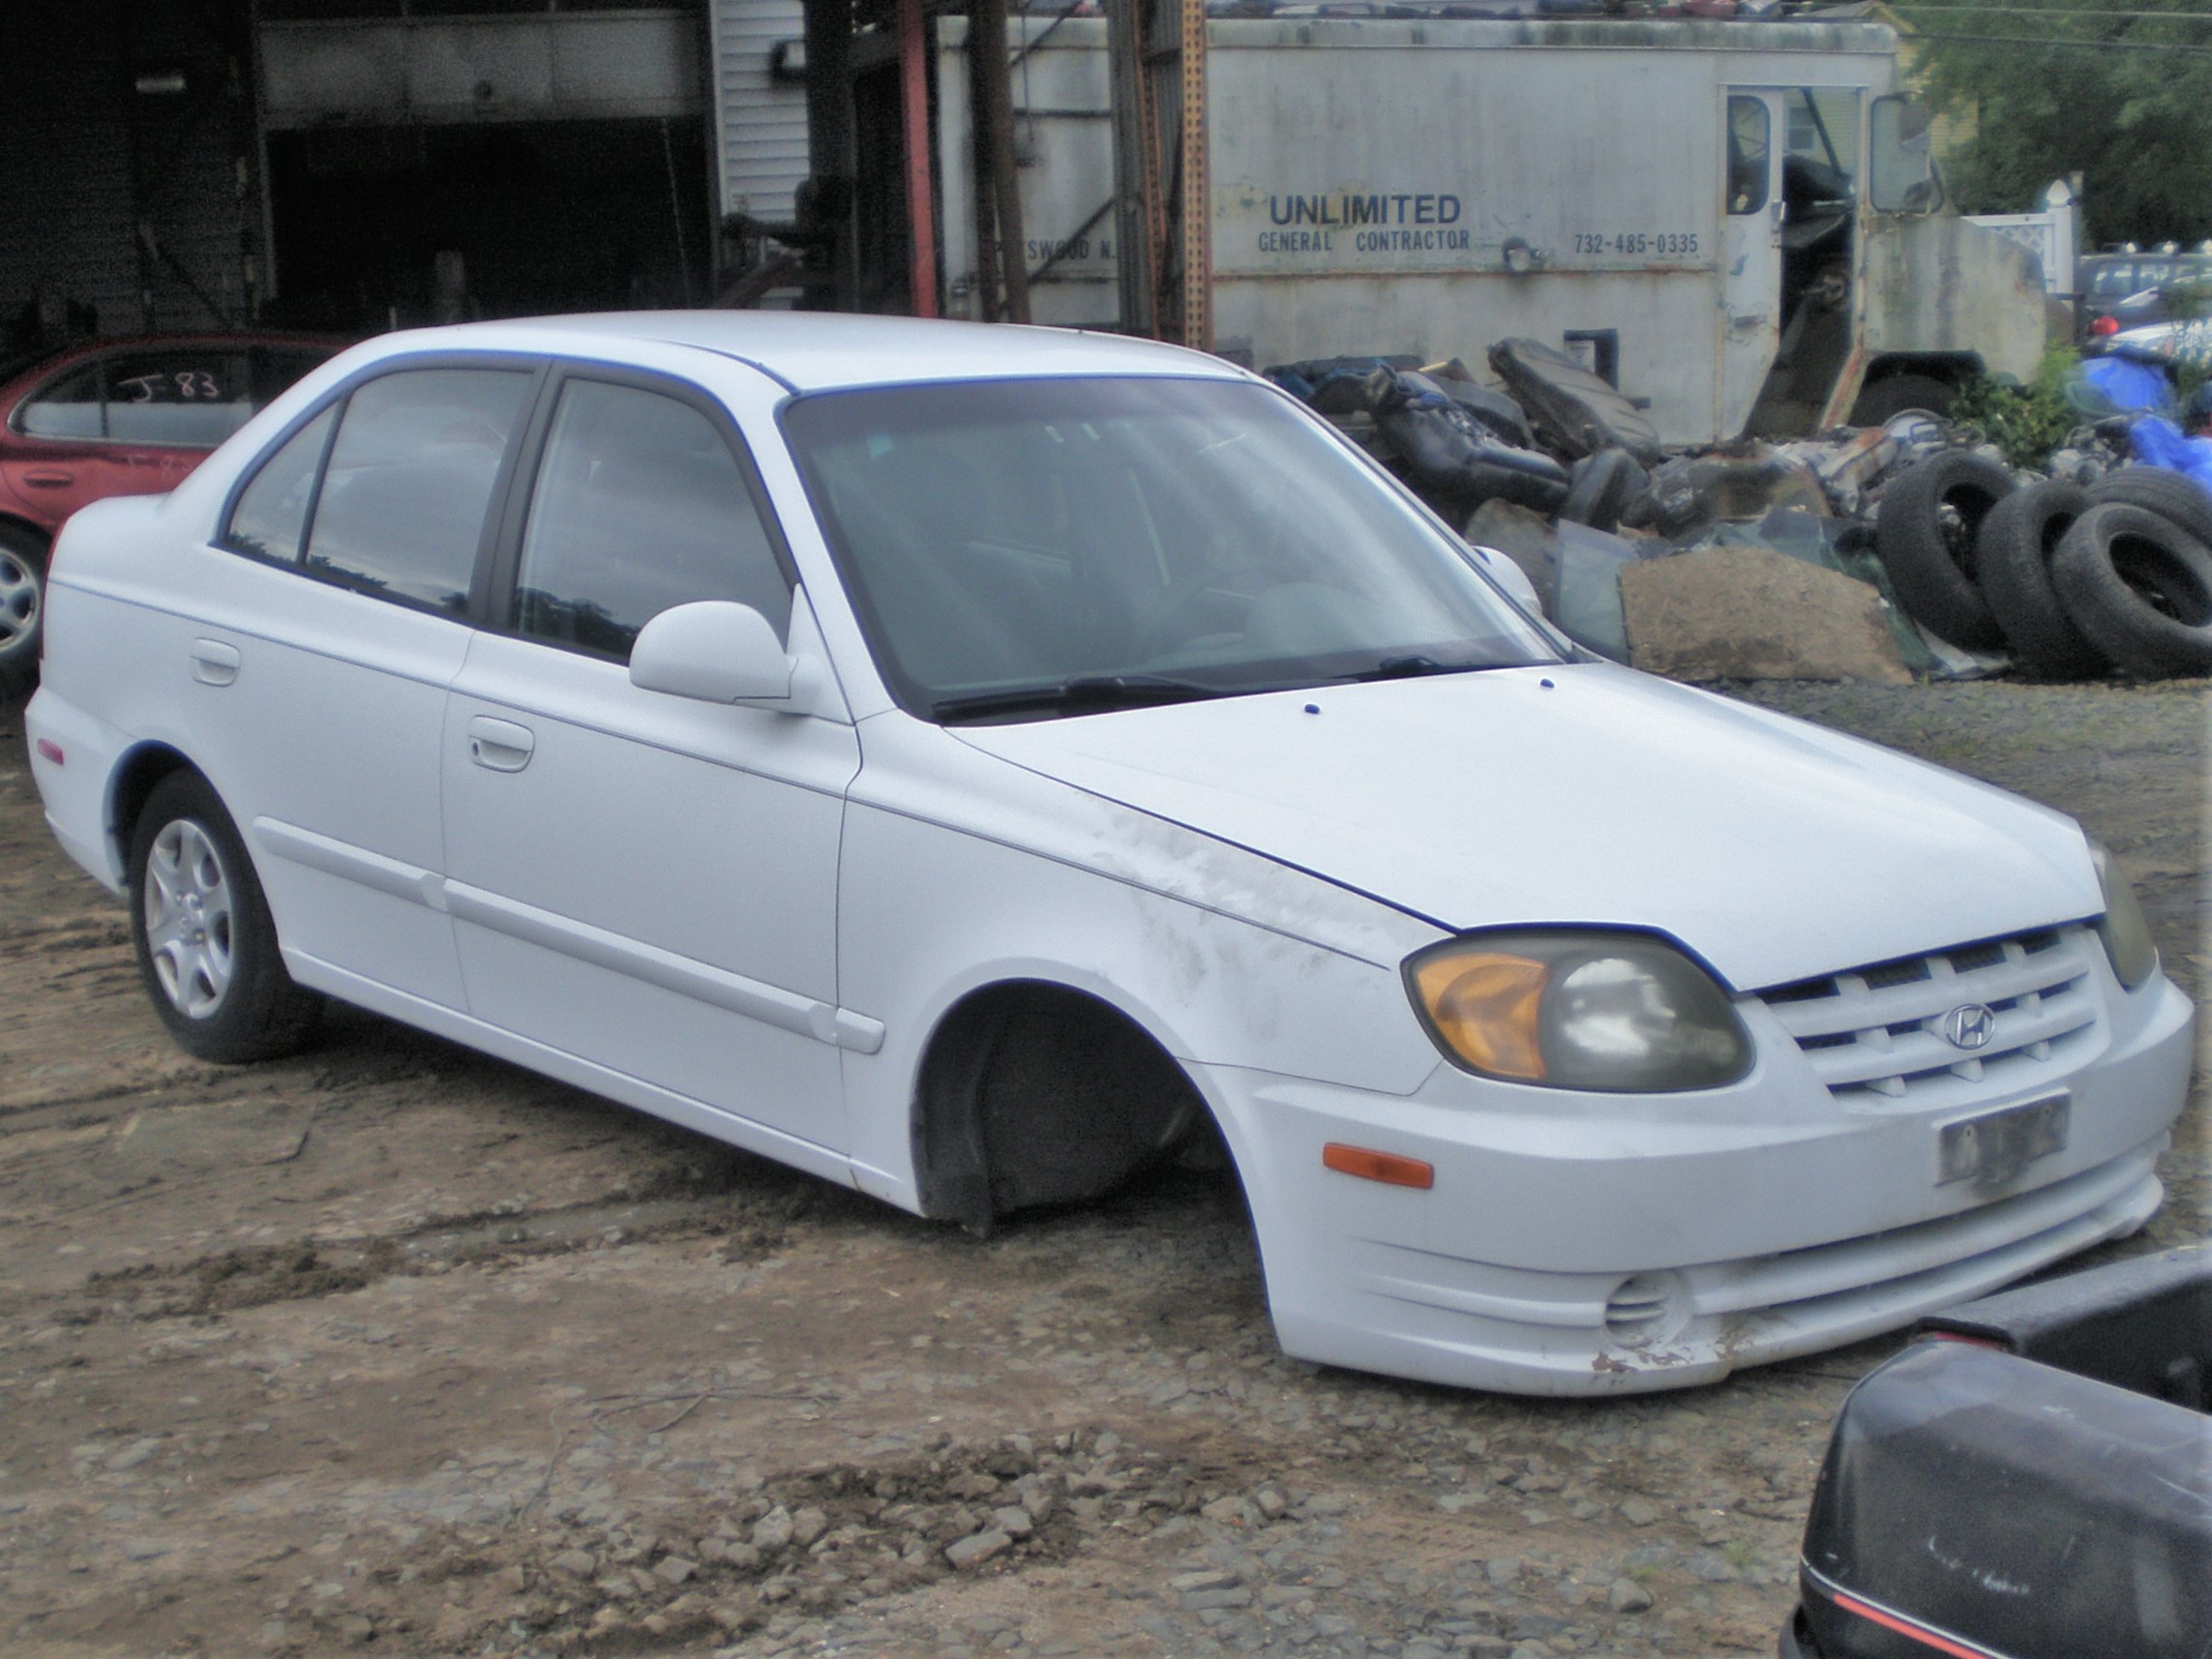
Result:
pixel 1645 1309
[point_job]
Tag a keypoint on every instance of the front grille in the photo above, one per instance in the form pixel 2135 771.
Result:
pixel 1878 1032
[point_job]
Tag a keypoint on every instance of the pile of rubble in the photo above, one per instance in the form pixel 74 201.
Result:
pixel 1869 554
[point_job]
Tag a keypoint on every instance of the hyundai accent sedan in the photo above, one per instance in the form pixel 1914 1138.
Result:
pixel 971 763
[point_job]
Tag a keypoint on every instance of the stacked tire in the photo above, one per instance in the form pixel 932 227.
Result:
pixel 2073 581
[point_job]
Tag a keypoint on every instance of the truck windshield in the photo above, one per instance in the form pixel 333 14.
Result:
pixel 1032 548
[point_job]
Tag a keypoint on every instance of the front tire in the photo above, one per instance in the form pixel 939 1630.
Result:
pixel 201 930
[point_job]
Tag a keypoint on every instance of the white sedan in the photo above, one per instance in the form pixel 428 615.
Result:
pixel 973 762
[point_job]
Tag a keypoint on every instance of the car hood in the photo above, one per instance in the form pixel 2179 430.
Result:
pixel 1590 795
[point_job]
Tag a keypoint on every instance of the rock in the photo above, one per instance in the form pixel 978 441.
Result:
pixel 773 1531
pixel 1754 613
pixel 808 1525
pixel 1504 1569
pixel 132 1455
pixel 1201 1601
pixel 353 1629
pixel 712 1549
pixel 1640 1511
pixel 512 1579
pixel 1230 1511
pixel 1185 1584
pixel 972 1551
pixel 1036 1495
pixel 1270 1504
pixel 1015 1522
pixel 1629 1596
pixel 145 1548
pixel 673 1569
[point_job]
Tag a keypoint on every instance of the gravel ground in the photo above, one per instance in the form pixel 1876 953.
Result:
pixel 390 1347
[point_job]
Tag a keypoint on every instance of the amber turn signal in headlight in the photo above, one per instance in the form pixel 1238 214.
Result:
pixel 1581 1009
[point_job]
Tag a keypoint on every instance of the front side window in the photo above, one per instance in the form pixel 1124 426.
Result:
pixel 639 506
pixel 1013 540
pixel 1751 135
pixel 410 480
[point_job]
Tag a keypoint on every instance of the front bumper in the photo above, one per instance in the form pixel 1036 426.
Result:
pixel 1586 1247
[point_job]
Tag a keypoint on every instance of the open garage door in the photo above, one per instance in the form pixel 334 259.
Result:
pixel 427 168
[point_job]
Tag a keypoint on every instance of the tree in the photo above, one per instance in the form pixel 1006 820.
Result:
pixel 2098 88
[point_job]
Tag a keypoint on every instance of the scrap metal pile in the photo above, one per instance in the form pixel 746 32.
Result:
pixel 1878 552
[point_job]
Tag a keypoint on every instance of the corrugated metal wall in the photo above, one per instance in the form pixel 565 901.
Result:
pixel 759 122
pixel 86 159
pixel 65 162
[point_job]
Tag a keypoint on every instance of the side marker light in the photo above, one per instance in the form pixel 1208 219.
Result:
pixel 49 750
pixel 1386 1166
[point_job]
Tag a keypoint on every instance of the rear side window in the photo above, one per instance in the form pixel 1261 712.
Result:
pixel 639 506
pixel 403 495
pixel 270 520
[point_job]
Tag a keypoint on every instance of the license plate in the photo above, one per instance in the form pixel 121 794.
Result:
pixel 1992 1148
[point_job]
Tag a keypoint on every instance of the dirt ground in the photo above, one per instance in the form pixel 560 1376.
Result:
pixel 391 1347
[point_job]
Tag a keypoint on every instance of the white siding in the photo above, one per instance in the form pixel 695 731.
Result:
pixel 759 123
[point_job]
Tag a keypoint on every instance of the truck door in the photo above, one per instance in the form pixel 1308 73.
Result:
pixel 1754 136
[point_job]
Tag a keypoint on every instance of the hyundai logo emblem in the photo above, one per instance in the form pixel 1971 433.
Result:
pixel 1970 1025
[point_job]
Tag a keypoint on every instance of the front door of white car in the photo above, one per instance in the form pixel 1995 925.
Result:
pixel 645 881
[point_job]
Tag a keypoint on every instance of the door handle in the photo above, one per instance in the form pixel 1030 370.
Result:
pixel 212 663
pixel 47 479
pixel 499 745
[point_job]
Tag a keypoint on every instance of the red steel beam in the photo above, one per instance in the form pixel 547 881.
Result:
pixel 913 107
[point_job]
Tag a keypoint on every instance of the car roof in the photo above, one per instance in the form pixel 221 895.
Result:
pixel 811 351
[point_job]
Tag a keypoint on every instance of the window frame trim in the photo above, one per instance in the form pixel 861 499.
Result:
pixel 496 595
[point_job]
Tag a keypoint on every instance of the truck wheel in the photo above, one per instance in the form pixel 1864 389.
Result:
pixel 2174 497
pixel 22 605
pixel 1926 530
pixel 2013 559
pixel 1898 393
pixel 2140 588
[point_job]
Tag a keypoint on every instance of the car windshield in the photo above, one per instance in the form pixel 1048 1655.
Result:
pixel 1031 548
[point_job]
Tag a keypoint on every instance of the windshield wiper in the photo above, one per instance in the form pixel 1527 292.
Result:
pixel 1411 667
pixel 1084 694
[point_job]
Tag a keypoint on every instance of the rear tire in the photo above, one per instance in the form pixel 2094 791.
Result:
pixel 1926 530
pixel 2013 559
pixel 22 609
pixel 2140 588
pixel 201 930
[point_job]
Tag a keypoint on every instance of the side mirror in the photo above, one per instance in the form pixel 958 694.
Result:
pixel 713 651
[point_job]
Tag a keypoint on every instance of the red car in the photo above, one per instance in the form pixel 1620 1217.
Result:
pixel 115 417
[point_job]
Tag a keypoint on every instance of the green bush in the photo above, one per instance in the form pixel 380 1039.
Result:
pixel 2026 420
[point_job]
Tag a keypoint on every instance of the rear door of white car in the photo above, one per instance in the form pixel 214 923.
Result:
pixel 320 664
pixel 645 882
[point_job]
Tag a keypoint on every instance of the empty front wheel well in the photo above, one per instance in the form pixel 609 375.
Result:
pixel 1036 1093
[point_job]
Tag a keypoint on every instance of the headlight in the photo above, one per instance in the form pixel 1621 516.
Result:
pixel 2126 935
pixel 1587 1010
